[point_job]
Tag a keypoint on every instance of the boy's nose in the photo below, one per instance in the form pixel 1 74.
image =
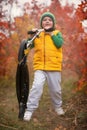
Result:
pixel 47 21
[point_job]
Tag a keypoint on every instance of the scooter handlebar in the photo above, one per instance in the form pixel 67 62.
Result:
pixel 36 34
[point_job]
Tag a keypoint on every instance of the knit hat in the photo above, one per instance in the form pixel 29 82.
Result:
pixel 48 14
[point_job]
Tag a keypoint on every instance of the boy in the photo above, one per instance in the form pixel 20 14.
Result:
pixel 47 65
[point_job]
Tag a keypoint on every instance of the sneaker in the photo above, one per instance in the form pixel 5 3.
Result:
pixel 59 111
pixel 27 115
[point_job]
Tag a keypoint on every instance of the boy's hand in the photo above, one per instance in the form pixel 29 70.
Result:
pixel 32 32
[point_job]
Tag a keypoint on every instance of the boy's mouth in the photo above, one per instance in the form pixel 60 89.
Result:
pixel 47 26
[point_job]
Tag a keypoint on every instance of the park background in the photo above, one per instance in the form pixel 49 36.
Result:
pixel 16 19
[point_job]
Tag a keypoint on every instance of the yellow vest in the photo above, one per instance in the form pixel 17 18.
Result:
pixel 47 56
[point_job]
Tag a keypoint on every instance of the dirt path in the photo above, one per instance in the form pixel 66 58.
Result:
pixel 44 117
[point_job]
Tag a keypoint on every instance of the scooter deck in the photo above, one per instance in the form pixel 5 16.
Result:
pixel 22 80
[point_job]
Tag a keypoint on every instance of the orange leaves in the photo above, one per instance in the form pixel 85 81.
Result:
pixel 82 10
pixel 2 37
pixel 82 82
pixel 75 47
pixel 18 21
pixel 85 40
pixel 81 86
pixel 75 40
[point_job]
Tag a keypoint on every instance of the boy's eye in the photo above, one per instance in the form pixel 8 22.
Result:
pixel 47 19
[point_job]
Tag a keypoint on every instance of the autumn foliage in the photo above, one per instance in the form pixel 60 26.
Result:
pixel 68 21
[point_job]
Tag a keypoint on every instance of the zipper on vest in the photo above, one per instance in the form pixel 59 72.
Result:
pixel 44 51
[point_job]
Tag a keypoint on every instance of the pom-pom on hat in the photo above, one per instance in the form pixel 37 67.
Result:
pixel 48 14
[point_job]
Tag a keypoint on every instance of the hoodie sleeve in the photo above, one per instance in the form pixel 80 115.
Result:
pixel 58 39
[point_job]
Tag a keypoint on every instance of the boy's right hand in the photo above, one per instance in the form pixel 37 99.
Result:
pixel 34 30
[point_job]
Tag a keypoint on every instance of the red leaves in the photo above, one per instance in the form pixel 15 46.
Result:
pixel 82 10
pixel 4 24
pixel 75 40
pixel 2 37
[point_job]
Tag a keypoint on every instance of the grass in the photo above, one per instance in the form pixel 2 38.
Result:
pixel 44 118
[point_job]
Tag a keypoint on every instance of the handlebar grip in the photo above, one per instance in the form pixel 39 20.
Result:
pixel 31 32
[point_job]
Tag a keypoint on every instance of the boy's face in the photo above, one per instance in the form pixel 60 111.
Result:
pixel 47 23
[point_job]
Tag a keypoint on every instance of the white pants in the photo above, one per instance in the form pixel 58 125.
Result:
pixel 53 79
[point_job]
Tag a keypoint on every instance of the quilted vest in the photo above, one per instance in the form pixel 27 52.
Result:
pixel 47 56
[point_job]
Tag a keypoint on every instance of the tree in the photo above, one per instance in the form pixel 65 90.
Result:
pixel 68 22
pixel 81 14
